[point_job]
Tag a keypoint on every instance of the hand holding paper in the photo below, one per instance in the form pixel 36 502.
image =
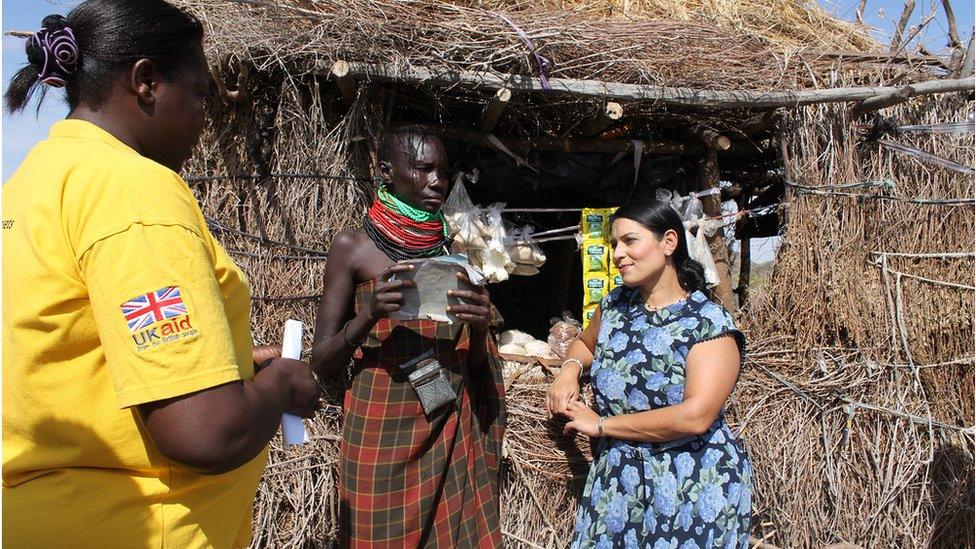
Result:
pixel 292 428
pixel 431 280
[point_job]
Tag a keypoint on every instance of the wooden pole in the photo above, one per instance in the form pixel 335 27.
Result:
pixel 915 30
pixel 494 109
pixel 711 138
pixel 708 178
pixel 784 158
pixel 611 113
pixel 745 271
pixel 340 72
pixel 689 97
pixel 966 67
pixel 885 100
pixel 745 259
pixel 859 14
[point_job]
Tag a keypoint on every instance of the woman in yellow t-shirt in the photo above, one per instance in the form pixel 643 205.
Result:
pixel 132 414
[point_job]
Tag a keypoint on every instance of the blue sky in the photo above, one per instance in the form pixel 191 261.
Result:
pixel 22 131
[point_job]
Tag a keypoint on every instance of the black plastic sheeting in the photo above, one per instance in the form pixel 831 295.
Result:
pixel 568 180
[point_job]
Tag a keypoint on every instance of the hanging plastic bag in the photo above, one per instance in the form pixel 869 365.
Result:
pixel 458 200
pixel 699 251
pixel 526 255
pixel 462 219
pixel 563 333
pixel 496 261
pixel 467 230
pixel 690 208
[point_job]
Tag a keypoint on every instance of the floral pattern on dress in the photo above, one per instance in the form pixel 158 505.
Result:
pixel 691 493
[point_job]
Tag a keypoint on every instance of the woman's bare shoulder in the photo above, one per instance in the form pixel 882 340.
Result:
pixel 346 242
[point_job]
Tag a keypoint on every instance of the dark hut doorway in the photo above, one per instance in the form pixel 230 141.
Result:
pixel 562 183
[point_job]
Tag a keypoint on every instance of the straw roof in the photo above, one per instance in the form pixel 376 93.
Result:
pixel 722 44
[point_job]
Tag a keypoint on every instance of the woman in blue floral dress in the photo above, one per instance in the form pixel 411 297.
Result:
pixel 668 472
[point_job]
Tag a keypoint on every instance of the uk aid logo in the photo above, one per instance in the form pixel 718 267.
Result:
pixel 144 313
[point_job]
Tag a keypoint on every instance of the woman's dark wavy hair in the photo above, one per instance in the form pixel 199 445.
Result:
pixel 659 217
pixel 111 36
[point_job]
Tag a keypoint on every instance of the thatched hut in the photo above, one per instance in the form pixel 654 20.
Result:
pixel 857 399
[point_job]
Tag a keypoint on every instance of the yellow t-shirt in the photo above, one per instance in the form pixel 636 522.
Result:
pixel 114 294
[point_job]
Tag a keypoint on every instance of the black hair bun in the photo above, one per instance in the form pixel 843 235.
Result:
pixel 35 51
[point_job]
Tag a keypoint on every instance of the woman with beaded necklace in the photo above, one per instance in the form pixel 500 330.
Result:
pixel 409 479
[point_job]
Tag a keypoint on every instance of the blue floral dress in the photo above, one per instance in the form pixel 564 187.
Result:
pixel 695 492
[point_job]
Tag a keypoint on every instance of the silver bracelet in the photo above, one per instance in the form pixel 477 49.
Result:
pixel 578 363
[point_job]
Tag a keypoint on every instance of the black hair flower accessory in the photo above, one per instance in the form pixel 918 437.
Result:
pixel 60 54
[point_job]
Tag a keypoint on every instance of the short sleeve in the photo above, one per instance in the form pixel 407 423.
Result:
pixel 159 313
pixel 716 322
pixel 612 298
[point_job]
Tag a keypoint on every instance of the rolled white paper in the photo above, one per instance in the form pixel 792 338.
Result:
pixel 292 428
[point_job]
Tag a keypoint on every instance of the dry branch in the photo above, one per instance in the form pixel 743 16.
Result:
pixel 906 14
pixel 610 113
pixel 494 109
pixel 885 100
pixel 953 33
pixel 662 95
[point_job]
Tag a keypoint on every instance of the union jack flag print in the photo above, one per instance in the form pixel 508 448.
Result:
pixel 146 309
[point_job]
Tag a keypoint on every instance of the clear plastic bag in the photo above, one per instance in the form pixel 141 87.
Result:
pixel 699 251
pixel 563 333
pixel 523 251
pixel 496 261
pixel 467 230
pixel 688 207
pixel 458 201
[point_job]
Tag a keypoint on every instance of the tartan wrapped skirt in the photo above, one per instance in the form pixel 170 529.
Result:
pixel 410 481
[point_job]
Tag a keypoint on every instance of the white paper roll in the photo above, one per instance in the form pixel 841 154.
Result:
pixel 292 428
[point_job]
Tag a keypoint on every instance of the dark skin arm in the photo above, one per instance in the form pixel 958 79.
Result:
pixel 476 311
pixel 221 428
pixel 354 259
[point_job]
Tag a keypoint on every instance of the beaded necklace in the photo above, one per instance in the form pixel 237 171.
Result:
pixel 403 232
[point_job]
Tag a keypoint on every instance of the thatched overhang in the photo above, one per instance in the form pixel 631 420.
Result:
pixel 589 76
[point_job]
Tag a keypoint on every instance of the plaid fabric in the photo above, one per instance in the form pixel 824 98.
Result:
pixel 407 482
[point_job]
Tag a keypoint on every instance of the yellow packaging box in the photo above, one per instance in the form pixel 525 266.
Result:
pixel 588 313
pixel 616 280
pixel 595 223
pixel 595 287
pixel 594 257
